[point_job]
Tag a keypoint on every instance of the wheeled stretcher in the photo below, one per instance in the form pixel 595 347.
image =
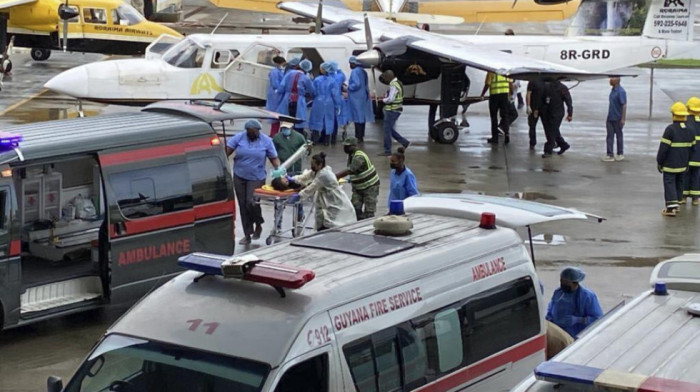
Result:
pixel 266 195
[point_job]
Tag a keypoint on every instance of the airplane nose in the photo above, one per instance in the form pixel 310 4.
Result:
pixel 370 57
pixel 73 82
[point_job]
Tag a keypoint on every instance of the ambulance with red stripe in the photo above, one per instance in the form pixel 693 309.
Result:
pixel 650 344
pixel 97 210
pixel 453 305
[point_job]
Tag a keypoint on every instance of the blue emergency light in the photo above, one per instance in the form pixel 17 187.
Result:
pixel 9 141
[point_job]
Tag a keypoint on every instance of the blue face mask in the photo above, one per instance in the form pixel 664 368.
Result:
pixel 286 131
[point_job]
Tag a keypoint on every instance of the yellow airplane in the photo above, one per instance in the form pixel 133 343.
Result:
pixel 92 26
pixel 472 11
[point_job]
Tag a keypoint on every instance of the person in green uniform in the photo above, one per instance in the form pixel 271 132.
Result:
pixel 364 179
pixel 287 142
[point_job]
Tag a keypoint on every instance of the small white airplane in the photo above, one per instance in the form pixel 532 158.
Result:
pixel 431 66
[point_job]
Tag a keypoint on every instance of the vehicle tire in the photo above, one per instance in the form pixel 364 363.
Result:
pixel 447 132
pixel 40 54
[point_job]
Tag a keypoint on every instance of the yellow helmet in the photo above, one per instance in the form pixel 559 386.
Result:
pixel 679 109
pixel 694 104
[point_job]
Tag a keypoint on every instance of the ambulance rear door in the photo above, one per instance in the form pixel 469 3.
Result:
pixel 151 215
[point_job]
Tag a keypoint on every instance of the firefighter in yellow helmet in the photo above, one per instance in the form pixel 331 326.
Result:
pixel 692 176
pixel 672 159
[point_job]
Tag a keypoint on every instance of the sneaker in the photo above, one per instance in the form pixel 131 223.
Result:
pixel 244 241
pixel 682 201
pixel 619 157
pixel 492 140
pixel 464 123
pixel 668 212
pixel 608 158
pixel 257 232
pixel 405 146
pixel 563 149
pixel 532 147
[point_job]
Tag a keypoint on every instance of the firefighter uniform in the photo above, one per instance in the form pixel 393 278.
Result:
pixel 672 158
pixel 692 176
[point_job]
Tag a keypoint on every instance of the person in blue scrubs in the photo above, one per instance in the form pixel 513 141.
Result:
pixel 295 87
pixel 403 182
pixel 252 149
pixel 325 107
pixel 359 103
pixel 573 307
pixel 273 94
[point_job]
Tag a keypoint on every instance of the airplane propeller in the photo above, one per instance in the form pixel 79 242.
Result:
pixel 66 13
pixel 319 18
pixel 370 42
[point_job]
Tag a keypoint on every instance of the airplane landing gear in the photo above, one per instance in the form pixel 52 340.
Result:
pixel 40 54
pixel 446 132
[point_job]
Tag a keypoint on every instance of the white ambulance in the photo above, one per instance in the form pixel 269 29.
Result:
pixel 454 305
pixel 650 344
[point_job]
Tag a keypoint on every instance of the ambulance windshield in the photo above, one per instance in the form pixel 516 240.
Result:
pixel 129 364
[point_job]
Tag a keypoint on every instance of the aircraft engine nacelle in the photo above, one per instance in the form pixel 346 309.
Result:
pixel 409 65
pixel 36 16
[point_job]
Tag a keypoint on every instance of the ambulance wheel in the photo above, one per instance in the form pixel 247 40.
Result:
pixel 40 54
pixel 268 241
pixel 447 132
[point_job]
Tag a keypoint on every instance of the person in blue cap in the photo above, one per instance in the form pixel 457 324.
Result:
pixel 252 149
pixel 326 105
pixel 573 307
pixel 360 109
pixel 342 119
pixel 295 87
pixel 273 95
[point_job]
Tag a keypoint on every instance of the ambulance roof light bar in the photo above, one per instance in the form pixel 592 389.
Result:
pixel 9 141
pixel 249 268
pixel 595 379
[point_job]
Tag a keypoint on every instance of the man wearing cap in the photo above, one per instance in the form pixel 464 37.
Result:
pixel 692 176
pixel 364 179
pixel 252 149
pixel 295 87
pixel 573 307
pixel 360 109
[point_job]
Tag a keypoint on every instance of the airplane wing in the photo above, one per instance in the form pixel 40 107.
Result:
pixel 5 4
pixel 445 47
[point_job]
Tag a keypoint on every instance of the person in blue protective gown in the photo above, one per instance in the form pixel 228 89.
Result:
pixel 296 86
pixel 360 109
pixel 273 95
pixel 403 182
pixel 326 106
pixel 342 119
pixel 573 307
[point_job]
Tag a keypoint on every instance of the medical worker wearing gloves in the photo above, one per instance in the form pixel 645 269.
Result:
pixel 333 206
pixel 573 307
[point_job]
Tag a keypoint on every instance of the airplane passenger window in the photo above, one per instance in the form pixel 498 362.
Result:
pixel 95 15
pixel 221 59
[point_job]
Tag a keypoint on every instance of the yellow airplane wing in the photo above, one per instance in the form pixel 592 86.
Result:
pixel 267 6
pixel 5 4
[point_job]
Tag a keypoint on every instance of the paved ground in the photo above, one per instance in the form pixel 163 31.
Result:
pixel 617 254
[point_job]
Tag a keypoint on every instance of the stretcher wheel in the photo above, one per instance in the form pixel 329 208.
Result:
pixel 268 241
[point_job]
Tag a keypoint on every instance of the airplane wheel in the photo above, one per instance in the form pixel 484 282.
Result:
pixel 447 132
pixel 434 134
pixel 40 54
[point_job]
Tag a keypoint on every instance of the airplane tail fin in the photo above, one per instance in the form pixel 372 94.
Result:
pixel 670 19
pixel 666 19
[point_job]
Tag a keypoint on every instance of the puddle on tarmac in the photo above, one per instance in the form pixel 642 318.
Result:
pixel 475 167
pixel 531 196
pixel 495 168
pixel 460 181
pixel 606 240
pixel 548 239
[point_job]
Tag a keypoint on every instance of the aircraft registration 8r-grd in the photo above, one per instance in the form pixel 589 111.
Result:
pixel 431 66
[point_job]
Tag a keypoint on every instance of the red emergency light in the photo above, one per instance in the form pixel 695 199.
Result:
pixel 248 268
pixel 488 221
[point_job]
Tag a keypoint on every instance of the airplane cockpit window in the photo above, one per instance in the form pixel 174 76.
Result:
pixel 126 15
pixel 185 54
pixel 95 15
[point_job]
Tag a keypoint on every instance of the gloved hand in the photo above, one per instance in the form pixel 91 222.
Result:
pixel 658 167
pixel 573 320
pixel 529 110
pixel 279 172
pixel 337 111
pixel 294 198
pixel 289 178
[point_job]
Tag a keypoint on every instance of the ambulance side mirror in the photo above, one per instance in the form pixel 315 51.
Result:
pixel 54 384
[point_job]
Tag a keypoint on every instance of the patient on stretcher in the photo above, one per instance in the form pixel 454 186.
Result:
pixel 285 183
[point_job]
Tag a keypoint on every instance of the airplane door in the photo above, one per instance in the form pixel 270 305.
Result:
pixel 248 73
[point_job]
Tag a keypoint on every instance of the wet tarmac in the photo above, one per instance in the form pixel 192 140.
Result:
pixel 617 255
